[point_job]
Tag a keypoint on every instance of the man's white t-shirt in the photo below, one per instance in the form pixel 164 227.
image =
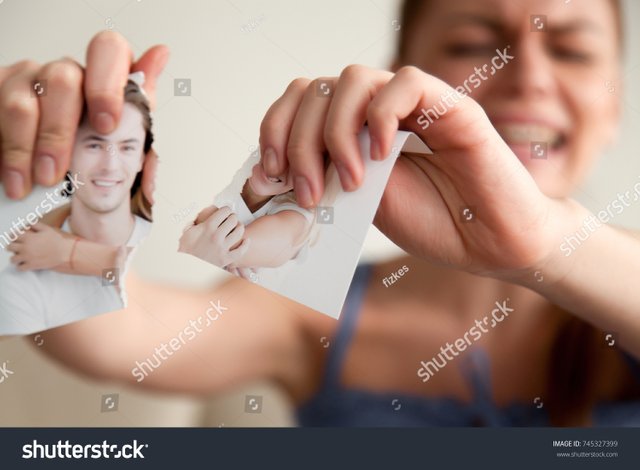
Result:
pixel 33 301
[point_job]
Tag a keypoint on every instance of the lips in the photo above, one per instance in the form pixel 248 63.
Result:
pixel 105 183
pixel 525 133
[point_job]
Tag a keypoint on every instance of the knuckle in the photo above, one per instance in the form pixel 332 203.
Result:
pixel 297 148
pixel 25 65
pixel 298 85
pixel 270 125
pixel 55 135
pixel 226 214
pixel 102 95
pixel 15 155
pixel 354 72
pixel 108 38
pixel 18 106
pixel 217 237
pixel 63 75
pixel 376 113
pixel 322 87
pixel 410 73
pixel 332 137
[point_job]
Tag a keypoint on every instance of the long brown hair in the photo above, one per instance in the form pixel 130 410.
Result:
pixel 140 205
pixel 582 369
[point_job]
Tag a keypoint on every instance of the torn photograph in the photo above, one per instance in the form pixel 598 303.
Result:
pixel 65 250
pixel 255 229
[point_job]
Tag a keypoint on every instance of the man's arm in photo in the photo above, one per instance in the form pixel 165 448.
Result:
pixel 275 239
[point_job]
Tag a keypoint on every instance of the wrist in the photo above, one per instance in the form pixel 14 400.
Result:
pixel 566 218
pixel 72 253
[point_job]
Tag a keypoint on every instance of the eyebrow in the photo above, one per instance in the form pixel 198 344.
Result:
pixel 94 137
pixel 496 25
pixel 483 20
pixel 102 139
pixel 575 26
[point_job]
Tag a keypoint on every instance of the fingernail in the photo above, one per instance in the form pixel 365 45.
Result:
pixel 46 170
pixel 303 191
pixel 374 149
pixel 104 123
pixel 270 162
pixel 14 184
pixel 345 177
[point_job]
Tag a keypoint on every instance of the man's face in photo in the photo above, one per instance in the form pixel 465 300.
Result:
pixel 108 164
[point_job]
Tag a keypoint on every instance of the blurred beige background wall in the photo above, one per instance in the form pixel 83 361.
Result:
pixel 239 55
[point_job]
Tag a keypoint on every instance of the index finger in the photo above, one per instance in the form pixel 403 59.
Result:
pixel 205 214
pixel 109 60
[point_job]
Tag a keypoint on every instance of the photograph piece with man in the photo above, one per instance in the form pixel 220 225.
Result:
pixel 68 255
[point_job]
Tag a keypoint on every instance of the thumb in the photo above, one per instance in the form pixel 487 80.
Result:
pixel 152 63
pixel 204 214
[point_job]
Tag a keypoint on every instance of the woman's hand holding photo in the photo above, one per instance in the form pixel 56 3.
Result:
pixel 215 237
pixel 472 206
pixel 37 136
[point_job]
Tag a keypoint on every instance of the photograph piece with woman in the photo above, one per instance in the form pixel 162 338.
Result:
pixel 257 230
pixel 70 257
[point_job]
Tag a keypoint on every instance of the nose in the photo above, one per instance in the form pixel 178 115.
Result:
pixel 110 158
pixel 530 74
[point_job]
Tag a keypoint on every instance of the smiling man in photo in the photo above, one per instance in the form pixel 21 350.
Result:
pixel 109 172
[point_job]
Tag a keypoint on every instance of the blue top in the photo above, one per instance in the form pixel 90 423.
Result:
pixel 336 405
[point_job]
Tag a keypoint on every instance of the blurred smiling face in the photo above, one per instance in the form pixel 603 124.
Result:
pixel 108 164
pixel 557 89
pixel 263 185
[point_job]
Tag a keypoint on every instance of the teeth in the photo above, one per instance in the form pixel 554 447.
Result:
pixel 526 133
pixel 274 180
pixel 104 184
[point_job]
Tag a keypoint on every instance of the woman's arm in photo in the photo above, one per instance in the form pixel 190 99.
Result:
pixel 220 239
pixel 44 247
